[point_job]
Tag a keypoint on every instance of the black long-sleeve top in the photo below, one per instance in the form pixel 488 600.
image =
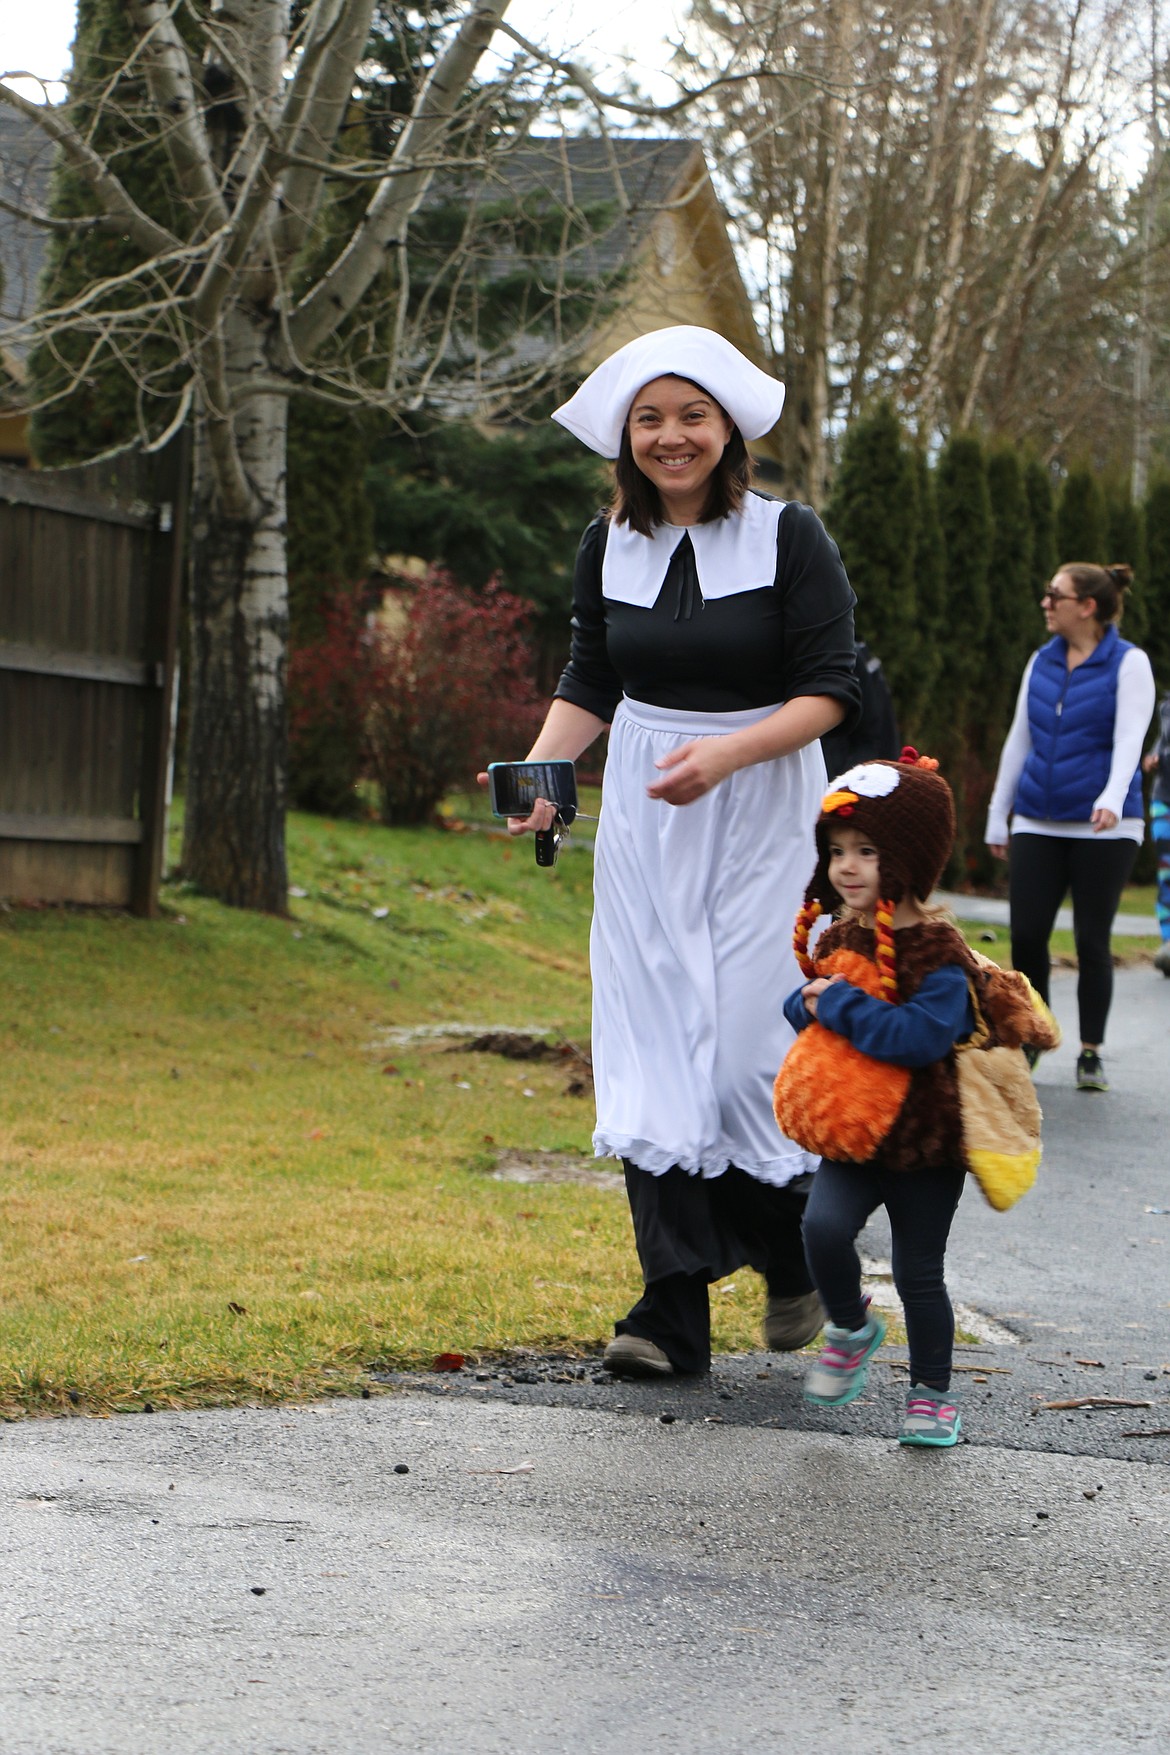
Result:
pixel 752 649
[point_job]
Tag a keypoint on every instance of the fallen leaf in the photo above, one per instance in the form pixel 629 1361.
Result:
pixel 448 1362
pixel 237 1309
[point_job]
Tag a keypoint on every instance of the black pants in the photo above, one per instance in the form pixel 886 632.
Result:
pixel 920 1205
pixel 1044 868
pixel 691 1231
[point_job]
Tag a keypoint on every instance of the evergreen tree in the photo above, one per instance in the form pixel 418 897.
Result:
pixel 330 528
pixel 1015 626
pixel 964 506
pixel 1080 519
pixel 873 516
pixel 98 410
pixel 1041 507
pixel 923 711
pixel 1125 540
pixel 1157 523
pixel 510 506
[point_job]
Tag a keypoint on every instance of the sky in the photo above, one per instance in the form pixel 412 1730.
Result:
pixel 609 34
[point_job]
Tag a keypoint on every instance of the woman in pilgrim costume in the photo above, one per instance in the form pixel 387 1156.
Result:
pixel 713 629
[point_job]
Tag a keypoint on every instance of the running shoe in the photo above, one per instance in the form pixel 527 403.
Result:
pixel 931 1418
pixel 1090 1072
pixel 840 1371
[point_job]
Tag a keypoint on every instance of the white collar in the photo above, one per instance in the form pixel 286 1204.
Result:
pixel 732 554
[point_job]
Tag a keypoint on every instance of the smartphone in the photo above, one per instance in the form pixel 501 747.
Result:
pixel 514 788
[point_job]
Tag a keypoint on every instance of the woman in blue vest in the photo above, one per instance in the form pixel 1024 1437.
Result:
pixel 1070 780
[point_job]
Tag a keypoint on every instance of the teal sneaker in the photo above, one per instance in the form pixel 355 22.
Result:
pixel 931 1418
pixel 839 1373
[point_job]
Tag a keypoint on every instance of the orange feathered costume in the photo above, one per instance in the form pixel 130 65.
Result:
pixel 829 1097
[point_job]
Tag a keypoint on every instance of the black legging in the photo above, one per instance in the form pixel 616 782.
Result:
pixel 920 1205
pixel 1043 869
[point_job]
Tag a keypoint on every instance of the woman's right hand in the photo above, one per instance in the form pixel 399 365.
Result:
pixel 542 816
pixel 997 849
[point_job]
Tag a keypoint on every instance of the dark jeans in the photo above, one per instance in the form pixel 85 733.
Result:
pixel 690 1231
pixel 920 1205
pixel 1043 869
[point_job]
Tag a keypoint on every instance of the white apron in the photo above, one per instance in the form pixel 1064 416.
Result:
pixel 691 950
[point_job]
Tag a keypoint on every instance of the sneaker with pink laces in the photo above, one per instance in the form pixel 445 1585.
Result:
pixel 931 1418
pixel 839 1374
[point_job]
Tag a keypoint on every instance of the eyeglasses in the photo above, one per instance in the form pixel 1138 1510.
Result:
pixel 1059 597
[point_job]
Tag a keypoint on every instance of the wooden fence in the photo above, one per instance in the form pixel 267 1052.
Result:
pixel 90 576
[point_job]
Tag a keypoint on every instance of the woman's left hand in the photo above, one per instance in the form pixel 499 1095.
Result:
pixel 1103 819
pixel 691 770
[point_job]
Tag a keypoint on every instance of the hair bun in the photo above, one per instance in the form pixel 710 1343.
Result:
pixel 1121 574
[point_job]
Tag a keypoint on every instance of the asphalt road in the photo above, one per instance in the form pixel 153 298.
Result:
pixel 562 1568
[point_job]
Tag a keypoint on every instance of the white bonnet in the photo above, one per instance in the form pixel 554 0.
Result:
pixel 597 412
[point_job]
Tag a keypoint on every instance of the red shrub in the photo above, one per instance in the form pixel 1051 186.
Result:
pixel 330 687
pixel 452 689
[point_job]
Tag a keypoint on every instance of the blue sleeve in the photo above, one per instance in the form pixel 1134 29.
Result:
pixel 916 1033
pixel 796 1011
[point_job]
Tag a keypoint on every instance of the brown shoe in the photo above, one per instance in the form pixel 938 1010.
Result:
pixel 792 1323
pixel 632 1356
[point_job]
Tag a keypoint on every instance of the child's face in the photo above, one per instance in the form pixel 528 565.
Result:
pixel 853 869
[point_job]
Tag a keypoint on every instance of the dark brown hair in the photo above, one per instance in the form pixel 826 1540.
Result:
pixel 1106 586
pixel 637 502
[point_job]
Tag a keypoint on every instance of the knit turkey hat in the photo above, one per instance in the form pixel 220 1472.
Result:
pixel 906 809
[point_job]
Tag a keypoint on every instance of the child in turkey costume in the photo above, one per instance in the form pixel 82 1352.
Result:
pixel 872 1082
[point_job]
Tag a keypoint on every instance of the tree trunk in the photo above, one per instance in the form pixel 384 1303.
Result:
pixel 943 333
pixel 233 845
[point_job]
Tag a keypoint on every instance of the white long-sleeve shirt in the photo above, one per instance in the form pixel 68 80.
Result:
pixel 1135 704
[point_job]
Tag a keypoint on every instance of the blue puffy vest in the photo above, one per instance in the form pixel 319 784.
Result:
pixel 1070 717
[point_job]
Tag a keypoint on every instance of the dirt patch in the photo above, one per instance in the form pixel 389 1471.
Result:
pixel 575 1167
pixel 520 1045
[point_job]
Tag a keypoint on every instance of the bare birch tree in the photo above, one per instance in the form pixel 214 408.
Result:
pixel 937 215
pixel 277 263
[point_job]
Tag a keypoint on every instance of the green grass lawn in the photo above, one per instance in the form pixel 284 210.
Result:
pixel 230 1172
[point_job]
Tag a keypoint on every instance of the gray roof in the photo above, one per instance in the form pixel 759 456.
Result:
pixel 611 189
pixel 26 157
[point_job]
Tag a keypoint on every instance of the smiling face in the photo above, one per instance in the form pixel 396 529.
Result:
pixel 677 436
pixel 854 869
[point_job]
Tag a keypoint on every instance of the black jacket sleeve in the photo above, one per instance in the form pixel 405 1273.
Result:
pixel 589 679
pixel 818 612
